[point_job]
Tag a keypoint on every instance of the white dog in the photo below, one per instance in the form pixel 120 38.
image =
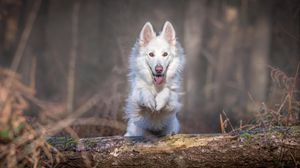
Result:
pixel 156 64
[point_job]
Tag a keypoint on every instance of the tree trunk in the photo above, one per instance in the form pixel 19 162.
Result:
pixel 271 149
pixel 195 16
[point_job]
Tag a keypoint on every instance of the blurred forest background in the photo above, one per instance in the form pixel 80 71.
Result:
pixel 78 49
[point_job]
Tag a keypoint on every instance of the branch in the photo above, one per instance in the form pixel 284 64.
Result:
pixel 245 150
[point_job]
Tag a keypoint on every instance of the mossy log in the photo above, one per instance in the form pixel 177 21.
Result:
pixel 268 149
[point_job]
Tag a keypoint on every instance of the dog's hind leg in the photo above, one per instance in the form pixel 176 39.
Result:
pixel 173 126
pixel 133 130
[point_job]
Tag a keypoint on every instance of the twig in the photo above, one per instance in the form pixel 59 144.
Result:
pixel 73 55
pixel 25 35
pixel 81 110
pixel 282 104
pixel 290 93
pixel 232 129
pixel 32 73
pixel 292 156
pixel 222 124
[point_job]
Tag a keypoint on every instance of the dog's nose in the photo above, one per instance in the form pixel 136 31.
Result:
pixel 159 69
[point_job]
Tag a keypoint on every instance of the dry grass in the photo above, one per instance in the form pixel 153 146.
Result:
pixel 284 114
pixel 20 143
pixel 271 119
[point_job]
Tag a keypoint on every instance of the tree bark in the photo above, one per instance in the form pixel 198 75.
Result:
pixel 271 149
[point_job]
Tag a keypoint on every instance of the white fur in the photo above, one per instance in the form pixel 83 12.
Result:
pixel 153 108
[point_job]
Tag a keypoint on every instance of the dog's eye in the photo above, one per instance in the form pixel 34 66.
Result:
pixel 165 54
pixel 151 54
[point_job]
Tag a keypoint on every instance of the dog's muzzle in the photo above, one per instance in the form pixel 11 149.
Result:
pixel 158 78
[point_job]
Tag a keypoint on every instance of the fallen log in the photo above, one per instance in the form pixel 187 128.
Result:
pixel 267 149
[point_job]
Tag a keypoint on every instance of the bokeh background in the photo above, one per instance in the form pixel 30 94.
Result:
pixel 77 49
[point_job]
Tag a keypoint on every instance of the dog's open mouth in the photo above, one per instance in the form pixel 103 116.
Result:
pixel 158 79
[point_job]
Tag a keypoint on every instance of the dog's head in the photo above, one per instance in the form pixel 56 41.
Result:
pixel 158 50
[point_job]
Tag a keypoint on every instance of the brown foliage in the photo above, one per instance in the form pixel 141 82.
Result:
pixel 20 144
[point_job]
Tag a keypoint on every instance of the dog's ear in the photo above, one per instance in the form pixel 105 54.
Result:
pixel 168 33
pixel 147 34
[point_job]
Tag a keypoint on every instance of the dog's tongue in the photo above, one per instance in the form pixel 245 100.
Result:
pixel 158 80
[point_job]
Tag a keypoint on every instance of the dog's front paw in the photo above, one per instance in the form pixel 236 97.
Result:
pixel 147 100
pixel 160 103
pixel 150 103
